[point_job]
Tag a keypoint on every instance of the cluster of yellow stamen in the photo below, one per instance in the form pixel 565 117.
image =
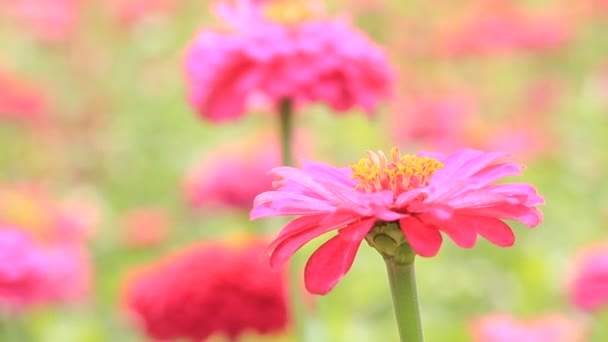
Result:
pixel 290 12
pixel 402 173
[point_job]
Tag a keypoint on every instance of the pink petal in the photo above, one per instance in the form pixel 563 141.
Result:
pixel 452 163
pixel 525 193
pixel 495 172
pixel 526 215
pixel 494 230
pixel 424 239
pixel 328 264
pixel 458 228
pixel 302 232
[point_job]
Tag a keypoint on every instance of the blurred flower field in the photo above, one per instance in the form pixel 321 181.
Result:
pixel 125 183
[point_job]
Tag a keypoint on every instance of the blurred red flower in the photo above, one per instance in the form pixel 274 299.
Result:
pixel 589 281
pixel 209 289
pixel 424 194
pixel 280 50
pixel 505 328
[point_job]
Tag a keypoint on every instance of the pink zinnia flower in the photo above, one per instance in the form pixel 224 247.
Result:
pixel 425 194
pixel 589 284
pixel 290 56
pixel 22 272
pixel 207 290
pixel 33 273
pixel 504 328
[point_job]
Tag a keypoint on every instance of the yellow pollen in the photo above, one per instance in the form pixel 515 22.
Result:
pixel 290 12
pixel 402 173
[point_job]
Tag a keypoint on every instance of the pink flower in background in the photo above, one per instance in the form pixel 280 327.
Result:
pixel 589 284
pixel 212 181
pixel 209 289
pixel 437 122
pixel 146 226
pixel 22 271
pixel 20 100
pixel 68 274
pixel 498 27
pixel 290 55
pixel 33 273
pixel 49 20
pixel 505 328
pixel 426 194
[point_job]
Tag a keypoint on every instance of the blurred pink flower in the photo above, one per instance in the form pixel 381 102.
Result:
pixel 49 20
pixel 68 274
pixel 425 194
pixel 32 273
pixel 436 122
pixel 20 100
pixel 505 328
pixel 499 27
pixel 212 181
pixel 22 271
pixel 589 283
pixel 303 59
pixel 145 227
pixel 209 289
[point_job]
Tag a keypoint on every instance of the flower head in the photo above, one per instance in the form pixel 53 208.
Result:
pixel 280 50
pixel 504 328
pixel 207 290
pixel 589 286
pixel 419 195
pixel 31 273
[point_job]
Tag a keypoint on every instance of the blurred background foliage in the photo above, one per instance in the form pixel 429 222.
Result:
pixel 120 135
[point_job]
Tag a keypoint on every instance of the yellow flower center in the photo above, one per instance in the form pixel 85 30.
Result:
pixel 402 173
pixel 290 12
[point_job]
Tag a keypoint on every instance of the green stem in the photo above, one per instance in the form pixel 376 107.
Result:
pixel 297 305
pixel 286 129
pixel 402 280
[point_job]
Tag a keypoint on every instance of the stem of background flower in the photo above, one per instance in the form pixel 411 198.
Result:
pixel 296 300
pixel 402 280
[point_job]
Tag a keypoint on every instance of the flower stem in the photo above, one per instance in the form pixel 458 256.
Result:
pixel 297 305
pixel 402 281
pixel 286 129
